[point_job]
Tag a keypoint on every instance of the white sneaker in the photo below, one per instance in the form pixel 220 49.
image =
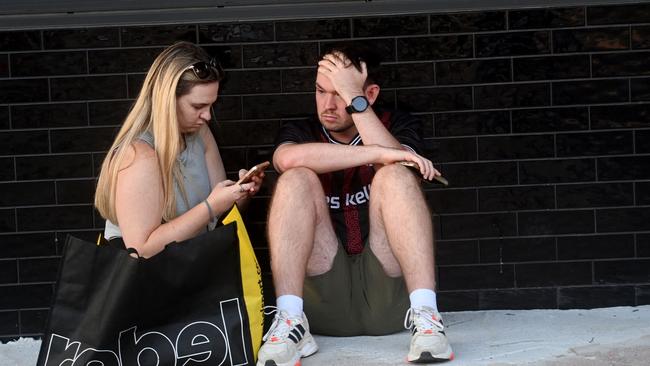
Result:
pixel 286 342
pixel 428 342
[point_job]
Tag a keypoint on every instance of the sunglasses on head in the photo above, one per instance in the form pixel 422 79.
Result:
pixel 203 70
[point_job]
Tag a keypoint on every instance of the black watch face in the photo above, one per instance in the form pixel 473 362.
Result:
pixel 359 104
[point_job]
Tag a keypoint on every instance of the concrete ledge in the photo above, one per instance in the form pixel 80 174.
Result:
pixel 610 336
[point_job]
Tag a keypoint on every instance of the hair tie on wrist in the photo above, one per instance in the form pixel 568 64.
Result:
pixel 209 209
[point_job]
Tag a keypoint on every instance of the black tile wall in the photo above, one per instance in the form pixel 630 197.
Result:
pixel 4 65
pixel 594 195
pixel 49 115
pixel 622 271
pixel 519 299
pixel 468 22
pixel 640 89
pixel 456 252
pixel 23 91
pixel 157 35
pixel 557 171
pixel 7 169
pixel 86 88
pixel 81 38
pixel 642 193
pixel 641 37
pixel 595 297
pixel 25 296
pixel 23 142
pixel 556 222
pixel 80 140
pixel 20 40
pixel 516 198
pixel 9 323
pixel 282 54
pixel 48 63
pixel 435 99
pixel 642 141
pixel 27 245
pixel 38 269
pixel 108 113
pixel 621 64
pixel 551 67
pixel 550 119
pixel 472 123
pixel 4 118
pixel 592 91
pixel 622 14
pixel 390 26
pixel 26 193
pixel 546 18
pixel 434 48
pixel 620 168
pixel 75 191
pixel 396 75
pixel 33 321
pixel 553 274
pixel 620 116
pixel 54 166
pixel 623 219
pixel 121 61
pixel 233 33
pixel 511 95
pixel 596 143
pixel 516 147
pixel 539 118
pixel 474 72
pixel 595 247
pixel 513 44
pixel 589 40
pixel 310 29
pixel 517 250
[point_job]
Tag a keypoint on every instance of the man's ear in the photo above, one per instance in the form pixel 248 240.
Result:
pixel 372 93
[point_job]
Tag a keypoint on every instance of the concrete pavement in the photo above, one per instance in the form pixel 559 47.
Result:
pixel 609 336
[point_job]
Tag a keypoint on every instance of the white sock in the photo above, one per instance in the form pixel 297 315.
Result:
pixel 291 304
pixel 423 297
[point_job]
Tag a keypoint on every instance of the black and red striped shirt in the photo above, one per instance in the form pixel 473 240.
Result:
pixel 348 191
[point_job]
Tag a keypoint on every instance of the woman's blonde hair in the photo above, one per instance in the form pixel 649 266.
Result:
pixel 171 75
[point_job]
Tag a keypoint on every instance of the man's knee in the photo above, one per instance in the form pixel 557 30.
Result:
pixel 394 176
pixel 298 177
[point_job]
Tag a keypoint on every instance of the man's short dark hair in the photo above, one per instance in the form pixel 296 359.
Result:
pixel 357 52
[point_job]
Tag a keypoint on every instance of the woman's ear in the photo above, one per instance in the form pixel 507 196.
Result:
pixel 372 93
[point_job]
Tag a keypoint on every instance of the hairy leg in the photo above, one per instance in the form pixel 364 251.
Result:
pixel 301 237
pixel 401 232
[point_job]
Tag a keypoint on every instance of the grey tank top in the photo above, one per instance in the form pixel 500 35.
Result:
pixel 195 178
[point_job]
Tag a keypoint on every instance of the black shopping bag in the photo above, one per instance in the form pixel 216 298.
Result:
pixel 183 306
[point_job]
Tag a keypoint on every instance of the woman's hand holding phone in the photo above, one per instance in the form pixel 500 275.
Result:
pixel 251 180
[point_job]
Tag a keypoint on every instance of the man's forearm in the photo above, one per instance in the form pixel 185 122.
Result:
pixel 372 131
pixel 324 157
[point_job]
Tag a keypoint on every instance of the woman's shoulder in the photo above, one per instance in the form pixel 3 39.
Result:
pixel 138 152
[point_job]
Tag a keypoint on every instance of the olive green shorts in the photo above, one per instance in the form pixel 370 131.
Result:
pixel 355 297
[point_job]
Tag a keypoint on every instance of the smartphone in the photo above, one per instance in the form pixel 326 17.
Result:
pixel 254 171
pixel 413 165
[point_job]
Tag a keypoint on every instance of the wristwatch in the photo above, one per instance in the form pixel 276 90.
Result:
pixel 358 105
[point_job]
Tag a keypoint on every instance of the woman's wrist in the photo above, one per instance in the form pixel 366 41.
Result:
pixel 210 211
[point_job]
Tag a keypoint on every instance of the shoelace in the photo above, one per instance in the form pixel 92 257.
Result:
pixel 422 319
pixel 280 327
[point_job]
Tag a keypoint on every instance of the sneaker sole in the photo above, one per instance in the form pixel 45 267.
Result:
pixel 309 347
pixel 427 357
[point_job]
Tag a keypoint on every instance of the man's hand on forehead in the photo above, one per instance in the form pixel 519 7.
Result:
pixel 338 58
pixel 347 80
